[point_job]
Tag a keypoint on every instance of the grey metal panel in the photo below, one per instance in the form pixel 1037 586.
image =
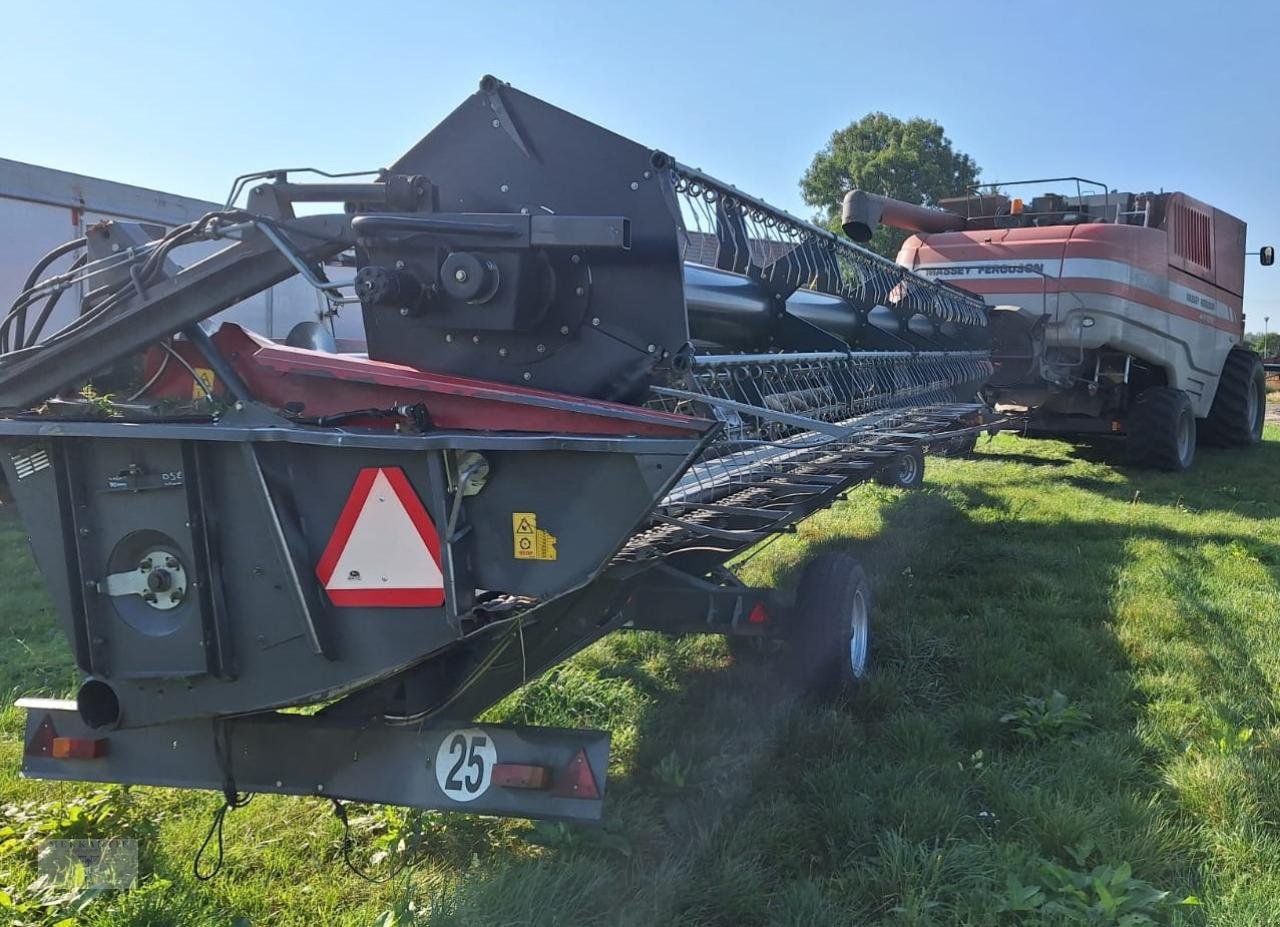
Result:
pixel 503 151
pixel 300 755
pixel 35 493
pixel 117 528
pixel 290 644
pixel 36 184
pixel 337 437
pixel 589 503
pixel 158 672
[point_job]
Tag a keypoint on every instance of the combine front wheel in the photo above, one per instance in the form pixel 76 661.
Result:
pixel 832 631
pixel 1240 405
pixel 1162 429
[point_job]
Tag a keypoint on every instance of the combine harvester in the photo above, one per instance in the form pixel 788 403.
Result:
pixel 594 375
pixel 1119 313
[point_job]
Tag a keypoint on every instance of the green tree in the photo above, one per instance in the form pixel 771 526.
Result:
pixel 909 160
pixel 1268 346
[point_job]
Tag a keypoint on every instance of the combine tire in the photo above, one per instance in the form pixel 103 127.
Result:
pixel 905 470
pixel 831 635
pixel 1162 429
pixel 1240 405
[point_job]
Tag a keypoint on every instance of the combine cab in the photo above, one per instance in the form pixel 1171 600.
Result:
pixel 1119 313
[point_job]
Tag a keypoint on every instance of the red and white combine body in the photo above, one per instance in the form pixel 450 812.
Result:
pixel 1120 313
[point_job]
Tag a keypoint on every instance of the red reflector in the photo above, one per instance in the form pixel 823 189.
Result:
pixel 521 776
pixel 758 614
pixel 79 748
pixel 41 742
pixel 577 780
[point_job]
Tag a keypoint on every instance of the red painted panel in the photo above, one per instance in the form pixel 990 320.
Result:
pixel 1228 251
pixel 315 384
pixel 1145 249
pixel 1105 287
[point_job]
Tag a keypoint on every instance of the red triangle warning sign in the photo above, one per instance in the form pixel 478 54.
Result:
pixel 384 550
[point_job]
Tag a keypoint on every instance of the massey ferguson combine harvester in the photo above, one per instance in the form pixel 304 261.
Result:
pixel 593 376
pixel 1120 313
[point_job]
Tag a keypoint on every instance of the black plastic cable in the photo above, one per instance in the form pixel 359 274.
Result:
pixel 40 265
pixel 410 850
pixel 18 309
pixel 140 276
pixel 215 827
pixel 231 799
pixel 38 326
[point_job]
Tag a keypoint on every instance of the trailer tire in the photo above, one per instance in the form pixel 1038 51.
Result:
pixel 1162 429
pixel 1240 404
pixel 904 470
pixel 831 635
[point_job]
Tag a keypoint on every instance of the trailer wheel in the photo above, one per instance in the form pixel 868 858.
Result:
pixel 904 470
pixel 1240 405
pixel 1162 429
pixel 831 637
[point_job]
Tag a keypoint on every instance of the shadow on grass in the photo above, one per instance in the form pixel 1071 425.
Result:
pixel 745 803
pixel 743 795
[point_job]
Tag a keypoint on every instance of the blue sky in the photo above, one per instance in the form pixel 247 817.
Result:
pixel 183 96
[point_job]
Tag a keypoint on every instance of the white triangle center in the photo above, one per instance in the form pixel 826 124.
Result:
pixel 385 550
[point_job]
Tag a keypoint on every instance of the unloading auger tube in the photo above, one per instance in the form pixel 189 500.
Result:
pixel 593 376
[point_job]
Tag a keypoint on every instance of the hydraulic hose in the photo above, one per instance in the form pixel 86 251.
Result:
pixel 38 326
pixel 20 306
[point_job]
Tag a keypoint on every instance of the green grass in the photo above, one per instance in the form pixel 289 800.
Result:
pixel 1150 601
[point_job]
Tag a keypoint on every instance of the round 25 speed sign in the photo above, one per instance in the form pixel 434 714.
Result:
pixel 464 764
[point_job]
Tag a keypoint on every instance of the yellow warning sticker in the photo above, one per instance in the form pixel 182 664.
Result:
pixel 207 378
pixel 531 542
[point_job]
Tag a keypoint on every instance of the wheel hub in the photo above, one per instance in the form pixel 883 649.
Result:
pixel 1252 406
pixel 1184 436
pixel 859 634
pixel 907 469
